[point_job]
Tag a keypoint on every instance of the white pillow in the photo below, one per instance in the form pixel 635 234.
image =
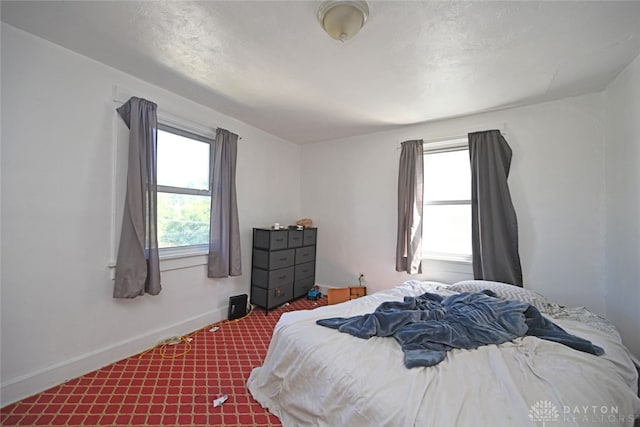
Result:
pixel 506 292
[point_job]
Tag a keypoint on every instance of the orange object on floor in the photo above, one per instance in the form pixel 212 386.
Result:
pixel 338 295
pixel 358 291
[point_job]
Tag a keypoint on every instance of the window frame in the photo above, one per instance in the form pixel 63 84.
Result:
pixel 186 132
pixel 446 146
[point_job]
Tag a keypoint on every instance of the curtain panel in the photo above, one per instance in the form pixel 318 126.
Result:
pixel 494 223
pixel 224 235
pixel 138 262
pixel 410 196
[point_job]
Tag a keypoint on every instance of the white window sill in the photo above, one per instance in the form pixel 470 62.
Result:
pixel 177 262
pixel 183 252
pixel 448 258
pixel 177 258
pixel 447 269
pixel 183 257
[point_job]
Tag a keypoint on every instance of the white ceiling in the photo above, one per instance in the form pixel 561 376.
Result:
pixel 269 64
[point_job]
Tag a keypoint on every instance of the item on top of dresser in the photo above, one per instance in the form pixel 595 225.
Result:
pixel 305 222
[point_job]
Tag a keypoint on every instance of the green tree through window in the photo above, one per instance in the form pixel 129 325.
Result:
pixel 183 220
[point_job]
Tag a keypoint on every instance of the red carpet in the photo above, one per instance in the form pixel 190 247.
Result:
pixel 152 390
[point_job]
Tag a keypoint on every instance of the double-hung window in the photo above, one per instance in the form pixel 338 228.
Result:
pixel 446 229
pixel 184 191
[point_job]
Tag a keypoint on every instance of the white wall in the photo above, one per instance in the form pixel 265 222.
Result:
pixel 622 143
pixel 556 181
pixel 59 319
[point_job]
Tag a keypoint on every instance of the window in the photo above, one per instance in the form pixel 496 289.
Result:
pixel 184 190
pixel 446 229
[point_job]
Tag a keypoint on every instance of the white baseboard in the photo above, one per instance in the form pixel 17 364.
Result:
pixel 35 382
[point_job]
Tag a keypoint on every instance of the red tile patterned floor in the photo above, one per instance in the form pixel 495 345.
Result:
pixel 152 390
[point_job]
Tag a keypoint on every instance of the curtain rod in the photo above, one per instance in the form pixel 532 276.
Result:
pixel 174 120
pixel 459 137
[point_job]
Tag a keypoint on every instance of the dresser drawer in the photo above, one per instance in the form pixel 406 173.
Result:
pixel 309 237
pixel 273 260
pixel 295 238
pixel 270 239
pixel 272 278
pixel 305 254
pixel 270 298
pixel 307 269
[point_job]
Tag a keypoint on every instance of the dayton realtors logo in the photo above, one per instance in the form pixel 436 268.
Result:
pixel 543 411
pixel 595 414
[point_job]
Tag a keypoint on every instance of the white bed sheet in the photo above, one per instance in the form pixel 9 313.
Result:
pixel 316 376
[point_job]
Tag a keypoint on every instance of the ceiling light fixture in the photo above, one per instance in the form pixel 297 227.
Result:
pixel 342 19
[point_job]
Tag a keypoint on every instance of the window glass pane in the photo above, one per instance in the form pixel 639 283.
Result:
pixel 182 162
pixel 447 229
pixel 447 176
pixel 183 219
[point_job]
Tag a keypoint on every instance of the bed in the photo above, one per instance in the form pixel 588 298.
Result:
pixel 317 376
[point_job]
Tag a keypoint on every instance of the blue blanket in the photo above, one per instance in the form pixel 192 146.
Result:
pixel 429 325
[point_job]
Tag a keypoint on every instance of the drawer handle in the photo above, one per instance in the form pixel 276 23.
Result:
pixel 280 239
pixel 282 277
pixel 283 259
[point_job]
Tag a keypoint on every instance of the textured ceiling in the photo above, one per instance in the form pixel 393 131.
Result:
pixel 269 64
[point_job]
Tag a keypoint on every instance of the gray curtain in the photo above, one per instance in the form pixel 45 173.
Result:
pixel 138 264
pixel 494 222
pixel 410 193
pixel 224 235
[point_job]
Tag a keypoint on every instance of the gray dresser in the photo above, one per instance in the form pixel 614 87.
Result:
pixel 283 265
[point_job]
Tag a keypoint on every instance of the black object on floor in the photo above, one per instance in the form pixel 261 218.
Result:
pixel 237 306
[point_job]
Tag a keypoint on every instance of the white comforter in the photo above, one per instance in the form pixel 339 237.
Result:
pixel 316 376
